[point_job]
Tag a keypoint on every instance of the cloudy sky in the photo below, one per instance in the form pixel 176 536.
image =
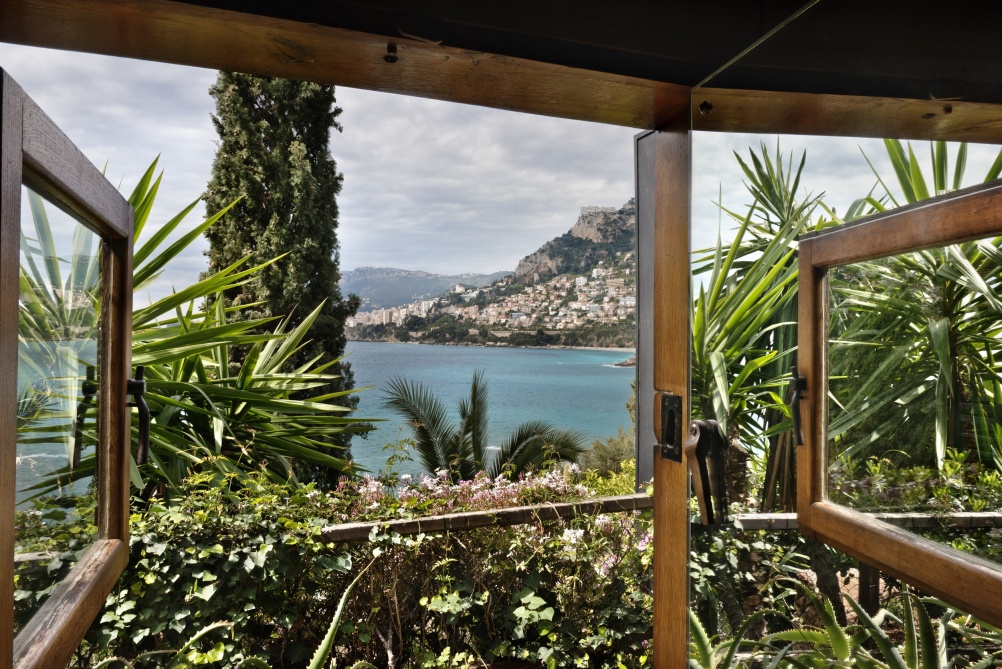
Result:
pixel 428 185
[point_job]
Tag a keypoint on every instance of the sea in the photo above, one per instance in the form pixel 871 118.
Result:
pixel 581 390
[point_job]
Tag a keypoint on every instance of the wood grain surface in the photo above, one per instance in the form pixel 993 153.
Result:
pixel 54 632
pixel 11 98
pixel 672 173
pixel 971 213
pixel 846 116
pixel 114 415
pixel 972 584
pixel 56 167
pixel 810 365
pixel 185 34
pixel 470 520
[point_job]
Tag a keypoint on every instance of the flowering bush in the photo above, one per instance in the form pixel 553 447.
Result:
pixel 562 593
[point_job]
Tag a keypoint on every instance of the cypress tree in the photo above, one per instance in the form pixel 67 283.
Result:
pixel 273 151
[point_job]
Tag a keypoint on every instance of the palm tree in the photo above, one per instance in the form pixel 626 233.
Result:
pixel 462 450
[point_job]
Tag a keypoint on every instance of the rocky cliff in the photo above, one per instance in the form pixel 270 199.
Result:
pixel 598 235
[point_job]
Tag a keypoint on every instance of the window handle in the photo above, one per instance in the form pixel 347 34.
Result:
pixel 704 451
pixel 89 390
pixel 798 385
pixel 137 388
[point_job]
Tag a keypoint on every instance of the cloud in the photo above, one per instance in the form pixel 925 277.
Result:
pixel 428 185
pixel 449 188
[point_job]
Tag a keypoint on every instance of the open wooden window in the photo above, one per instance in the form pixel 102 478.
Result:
pixel 879 319
pixel 65 340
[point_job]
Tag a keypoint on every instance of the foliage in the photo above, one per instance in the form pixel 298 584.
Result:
pixel 621 481
pixel 743 307
pixel 607 456
pixel 870 641
pixel 877 484
pixel 203 417
pixel 566 593
pixel 274 156
pixel 914 337
pixel 462 450
pixel 744 319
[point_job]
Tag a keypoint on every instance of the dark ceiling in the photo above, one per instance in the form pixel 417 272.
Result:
pixel 888 48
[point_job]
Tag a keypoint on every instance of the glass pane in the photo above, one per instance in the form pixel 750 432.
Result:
pixel 915 394
pixel 57 398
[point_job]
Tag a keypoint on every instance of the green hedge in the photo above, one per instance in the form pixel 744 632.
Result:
pixel 572 593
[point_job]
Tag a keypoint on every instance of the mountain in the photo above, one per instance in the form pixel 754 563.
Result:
pixel 599 235
pixel 384 287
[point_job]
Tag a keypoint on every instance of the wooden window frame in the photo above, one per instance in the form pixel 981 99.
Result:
pixel 961 579
pixel 34 152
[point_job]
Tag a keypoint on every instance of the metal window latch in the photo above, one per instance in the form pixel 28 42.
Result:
pixel 669 423
pixel 137 388
pixel 89 389
pixel 704 451
pixel 798 385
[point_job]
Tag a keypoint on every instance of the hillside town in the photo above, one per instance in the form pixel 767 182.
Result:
pixel 604 296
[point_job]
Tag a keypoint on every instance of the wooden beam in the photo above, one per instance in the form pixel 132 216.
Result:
pixel 970 583
pixel 55 167
pixel 672 160
pixel 963 215
pixel 730 110
pixel 788 521
pixel 812 367
pixel 186 34
pixel 54 632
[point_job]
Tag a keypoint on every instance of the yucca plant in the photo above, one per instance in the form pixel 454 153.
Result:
pixel 916 352
pixel 744 319
pixel 203 417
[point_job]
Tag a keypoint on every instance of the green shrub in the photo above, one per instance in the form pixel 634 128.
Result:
pixel 608 456
pixel 561 593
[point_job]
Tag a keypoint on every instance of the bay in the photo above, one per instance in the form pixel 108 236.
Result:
pixel 580 390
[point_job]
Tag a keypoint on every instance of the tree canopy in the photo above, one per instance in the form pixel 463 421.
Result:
pixel 274 154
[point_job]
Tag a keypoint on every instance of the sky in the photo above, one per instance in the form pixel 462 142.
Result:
pixel 429 185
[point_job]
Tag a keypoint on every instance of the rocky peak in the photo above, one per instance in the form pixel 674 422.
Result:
pixel 598 234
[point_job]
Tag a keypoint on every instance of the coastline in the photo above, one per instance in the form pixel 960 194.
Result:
pixel 631 350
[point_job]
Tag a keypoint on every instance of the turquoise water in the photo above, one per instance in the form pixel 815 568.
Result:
pixel 579 390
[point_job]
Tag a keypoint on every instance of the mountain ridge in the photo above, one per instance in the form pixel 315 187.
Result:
pixel 385 287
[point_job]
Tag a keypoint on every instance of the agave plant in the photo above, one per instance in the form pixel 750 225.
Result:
pixel 202 415
pixel 866 643
pixel 462 450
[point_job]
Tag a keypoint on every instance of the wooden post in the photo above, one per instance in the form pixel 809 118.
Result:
pixel 663 186
pixel 869 588
pixel 10 245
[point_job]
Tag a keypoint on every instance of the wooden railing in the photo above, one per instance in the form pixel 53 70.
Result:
pixel 469 520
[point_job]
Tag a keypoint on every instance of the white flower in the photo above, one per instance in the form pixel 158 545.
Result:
pixel 571 537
